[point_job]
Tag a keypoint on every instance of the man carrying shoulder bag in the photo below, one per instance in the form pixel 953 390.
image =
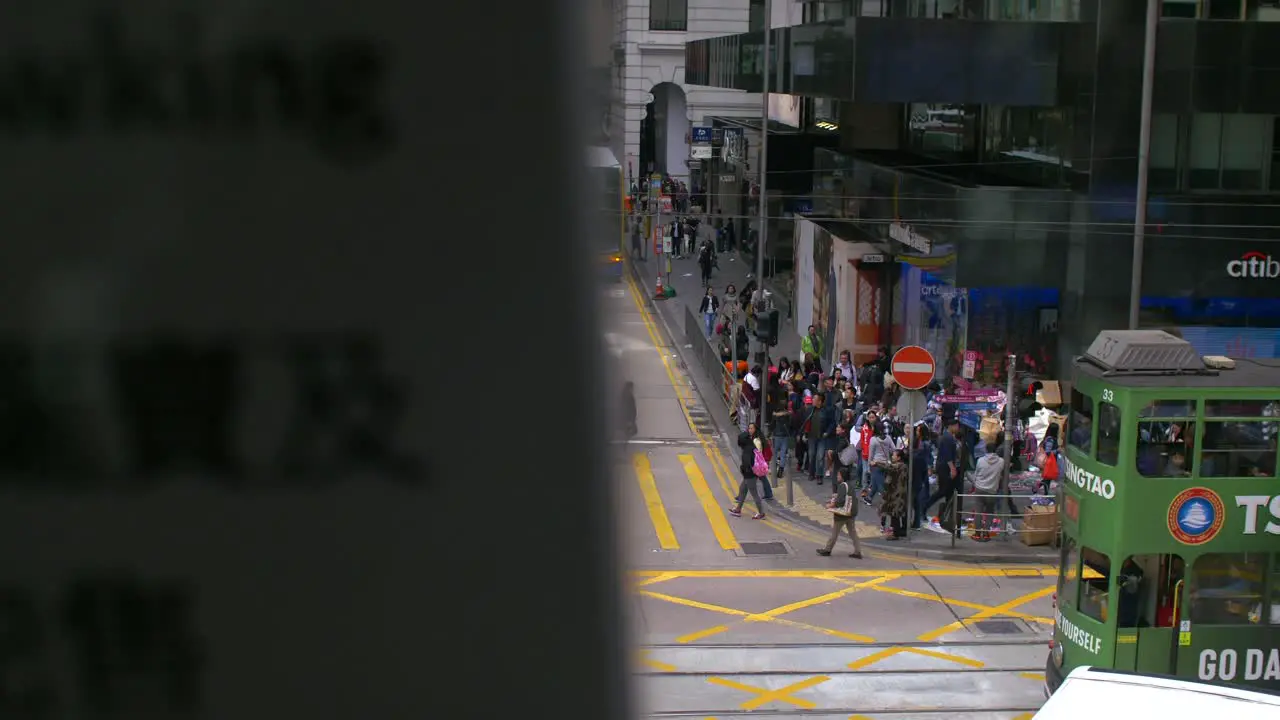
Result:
pixel 844 510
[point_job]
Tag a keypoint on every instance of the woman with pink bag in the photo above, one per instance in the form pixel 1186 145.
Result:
pixel 754 467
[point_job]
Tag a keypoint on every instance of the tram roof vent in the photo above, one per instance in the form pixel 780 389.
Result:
pixel 1143 351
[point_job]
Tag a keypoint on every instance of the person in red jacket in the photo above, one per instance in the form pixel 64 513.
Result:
pixel 865 433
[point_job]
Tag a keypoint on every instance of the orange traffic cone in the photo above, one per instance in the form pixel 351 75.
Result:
pixel 661 292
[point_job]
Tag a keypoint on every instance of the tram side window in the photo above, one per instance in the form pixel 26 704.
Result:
pixel 1095 582
pixel 1109 433
pixel 1166 438
pixel 1238 448
pixel 1228 589
pixel 1070 574
pixel 1235 443
pixel 1081 435
pixel 1274 610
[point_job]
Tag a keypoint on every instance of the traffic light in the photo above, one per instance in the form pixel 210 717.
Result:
pixel 1027 404
pixel 767 328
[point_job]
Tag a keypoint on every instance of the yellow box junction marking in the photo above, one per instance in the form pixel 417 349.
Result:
pixel 715 516
pixel 653 502
pixel 779 611
pixel 954 602
pixel 765 696
pixel 988 613
pixel 756 616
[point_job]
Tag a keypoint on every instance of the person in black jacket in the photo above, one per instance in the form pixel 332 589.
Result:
pixel 747 445
pixel 709 308
pixel 920 476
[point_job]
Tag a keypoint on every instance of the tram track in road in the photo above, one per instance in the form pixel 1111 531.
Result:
pixel 965 680
pixel 1006 713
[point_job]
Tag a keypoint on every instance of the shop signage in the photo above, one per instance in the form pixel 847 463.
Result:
pixel 942 291
pixel 700 152
pixel 970 364
pixel 1254 265
pixel 731 150
pixel 726 179
pixel 701 135
pixel 872 259
pixel 907 235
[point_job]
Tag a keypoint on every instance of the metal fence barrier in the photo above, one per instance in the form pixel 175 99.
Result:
pixel 1005 518
pixel 708 356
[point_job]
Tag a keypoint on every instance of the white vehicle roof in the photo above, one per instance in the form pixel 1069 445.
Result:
pixel 1103 694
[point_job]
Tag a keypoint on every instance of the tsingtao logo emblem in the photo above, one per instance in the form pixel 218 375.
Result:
pixel 1196 515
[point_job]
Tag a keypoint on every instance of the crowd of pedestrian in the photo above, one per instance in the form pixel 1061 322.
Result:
pixel 840 426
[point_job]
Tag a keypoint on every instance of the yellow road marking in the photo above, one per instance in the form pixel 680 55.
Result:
pixel 656 665
pixel 1032 676
pixel 654 580
pixel 959 659
pixel 874 658
pixel 781 610
pixel 813 573
pixel 887 653
pixel 743 614
pixel 989 612
pixel 959 603
pixel 1024 716
pixel 653 502
pixel 696 636
pixel 766 696
pixel 715 516
pixel 712 450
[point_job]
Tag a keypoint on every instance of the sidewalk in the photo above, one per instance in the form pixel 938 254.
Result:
pixel 810 498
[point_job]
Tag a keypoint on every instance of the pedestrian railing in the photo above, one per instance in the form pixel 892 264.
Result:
pixel 1031 519
pixel 708 357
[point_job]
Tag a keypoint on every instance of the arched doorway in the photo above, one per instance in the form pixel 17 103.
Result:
pixel 664 131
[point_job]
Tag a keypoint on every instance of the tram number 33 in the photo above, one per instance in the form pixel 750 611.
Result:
pixel 1225 664
pixel 131 646
pixel 1108 396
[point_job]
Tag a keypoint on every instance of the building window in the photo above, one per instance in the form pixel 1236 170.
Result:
pixel 1163 168
pixel 1228 589
pixel 942 130
pixel 755 16
pixel 1255 10
pixel 1036 10
pixel 1227 152
pixel 1032 144
pixel 668 15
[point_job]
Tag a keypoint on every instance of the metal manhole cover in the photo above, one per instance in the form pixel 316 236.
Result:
pixel 763 548
pixel 996 627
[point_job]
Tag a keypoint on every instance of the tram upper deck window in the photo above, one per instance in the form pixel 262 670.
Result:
pixel 1109 427
pixel 1166 438
pixel 1228 589
pixel 1239 441
pixel 1081 435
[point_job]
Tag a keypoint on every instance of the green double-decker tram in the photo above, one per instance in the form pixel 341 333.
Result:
pixel 1170 514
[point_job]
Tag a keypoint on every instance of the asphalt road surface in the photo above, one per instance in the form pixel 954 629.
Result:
pixel 735 617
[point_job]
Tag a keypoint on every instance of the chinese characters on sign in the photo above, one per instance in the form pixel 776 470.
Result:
pixel 131 645
pixel 181 406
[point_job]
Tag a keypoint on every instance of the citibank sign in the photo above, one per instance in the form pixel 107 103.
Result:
pixel 1254 265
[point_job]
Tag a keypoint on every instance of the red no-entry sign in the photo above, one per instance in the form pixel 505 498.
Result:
pixel 912 367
